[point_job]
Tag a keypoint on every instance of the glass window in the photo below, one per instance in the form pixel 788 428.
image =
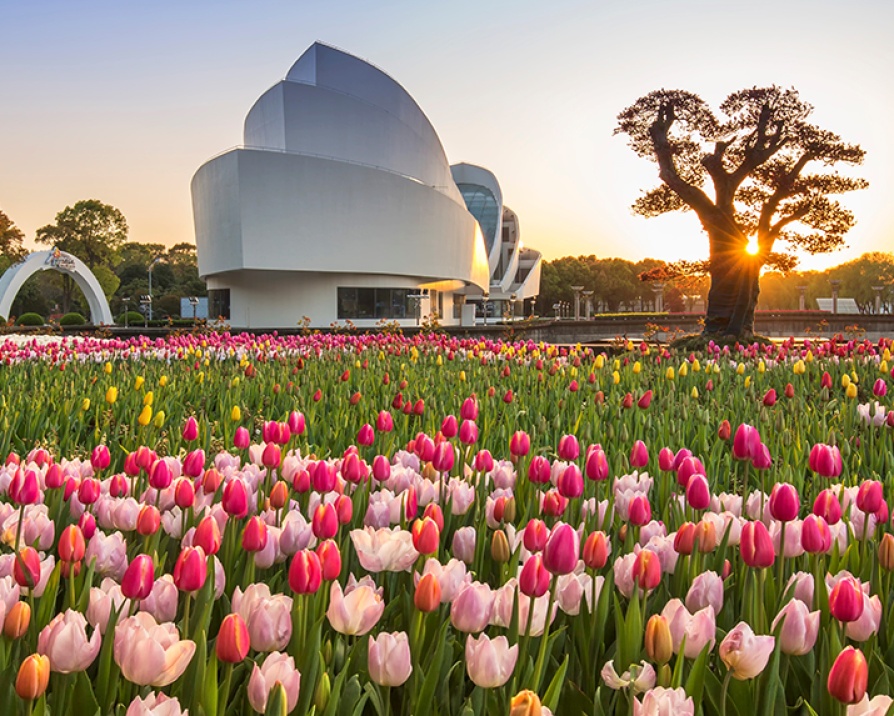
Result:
pixel 376 303
pixel 482 204
pixel 219 303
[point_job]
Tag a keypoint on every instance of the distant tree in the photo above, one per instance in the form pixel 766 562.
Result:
pixel 12 248
pixel 756 157
pixel 90 230
pixel 860 275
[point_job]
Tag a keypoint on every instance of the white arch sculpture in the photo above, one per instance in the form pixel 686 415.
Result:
pixel 15 276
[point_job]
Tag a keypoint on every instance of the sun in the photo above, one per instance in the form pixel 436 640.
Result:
pixel 752 247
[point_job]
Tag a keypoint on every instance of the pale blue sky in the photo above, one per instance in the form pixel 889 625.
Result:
pixel 122 101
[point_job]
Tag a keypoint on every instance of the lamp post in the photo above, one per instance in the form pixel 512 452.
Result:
pixel 512 300
pixel 151 266
pixel 802 298
pixel 125 300
pixel 194 302
pixel 484 306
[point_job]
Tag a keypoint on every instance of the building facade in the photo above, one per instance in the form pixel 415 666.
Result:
pixel 341 206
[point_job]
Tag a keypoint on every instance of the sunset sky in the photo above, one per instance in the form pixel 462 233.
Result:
pixel 123 101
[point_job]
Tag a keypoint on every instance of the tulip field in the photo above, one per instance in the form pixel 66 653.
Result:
pixel 343 525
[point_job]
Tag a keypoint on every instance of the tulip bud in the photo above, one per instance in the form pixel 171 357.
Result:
pixel 232 640
pixel 560 555
pixel 254 536
pixel 659 643
pixel 426 536
pixel 33 677
pixel 596 550
pixel 519 444
pixel 849 676
pixel 639 455
pixel 433 511
pixel 325 522
pixel 525 703
pixel 190 429
pixel 72 545
pixel 684 539
pixel 88 491
pixel 148 520
pixel 322 693
pixel 886 552
pixel 101 458
pixel 190 569
pixel 138 578
pixel 724 431
pixel 647 570
pixel 639 511
pixel 26 568
pixel 534 578
pixel 846 600
pixel 235 498
pixel 241 438
pixel 756 545
pixel 305 573
pixel 428 593
pixel 15 626
pixel 535 535
pixel 499 547
pixel 330 560
pixel 784 502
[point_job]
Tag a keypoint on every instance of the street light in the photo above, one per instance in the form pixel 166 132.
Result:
pixel 151 266
pixel 486 296
pixel 125 300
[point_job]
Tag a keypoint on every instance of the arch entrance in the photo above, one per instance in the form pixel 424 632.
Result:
pixel 54 259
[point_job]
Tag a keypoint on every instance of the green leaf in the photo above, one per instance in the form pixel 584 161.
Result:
pixel 277 701
pixel 695 683
pixel 554 691
pixel 432 678
pixel 210 687
pixel 83 698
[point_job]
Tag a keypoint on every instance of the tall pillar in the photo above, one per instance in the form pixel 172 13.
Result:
pixel 835 283
pixel 658 290
pixel 878 298
pixel 588 297
pixel 802 298
pixel 577 290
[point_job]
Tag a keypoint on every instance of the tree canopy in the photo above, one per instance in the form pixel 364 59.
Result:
pixel 772 176
pixel 12 248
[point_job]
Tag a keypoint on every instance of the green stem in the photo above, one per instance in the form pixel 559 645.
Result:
pixel 225 692
pixel 723 691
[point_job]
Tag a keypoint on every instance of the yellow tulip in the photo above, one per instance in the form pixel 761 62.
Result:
pixel 462 376
pixel 200 377
pixel 696 366
pixel 206 363
pixel 440 360
pixel 111 395
pixel 629 345
pixel 883 366
pixel 694 393
pixel 236 381
pixel 799 368
pixel 851 391
pixel 809 357
pixel 716 368
pixel 573 372
pixel 235 414
pixel 637 367
pixel 107 368
pixel 886 356
pixel 740 369
pixel 854 377
pixel 600 362
pixel 747 381
pixel 138 382
pixel 669 373
pixel 160 419
pixel 761 366
pixel 163 381
pixel 357 363
pixel 616 377
pixel 381 355
pixel 85 404
pixel 145 416
pixel 148 398
pixel 846 381
pixel 617 365
pixel 684 370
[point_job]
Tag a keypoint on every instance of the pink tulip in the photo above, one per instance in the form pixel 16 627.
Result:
pixel 562 550
pixel 686 467
pixel 639 455
pixel 473 608
pixel 662 701
pixel 877 706
pixel 880 388
pixel 784 502
pixel 639 511
pixel 825 460
pixel 745 654
pixel 277 669
pixel 444 457
pixel 389 659
pixel 539 470
pixel 64 641
pixel 869 621
pixel 639 678
pixel 194 464
pixel 490 662
pixel 241 438
pixel 138 578
pixel 162 601
pixel 384 550
pixel 666 459
pixel 463 545
pixel 698 494
pixel 571 482
pixel 468 432
pixel 827 506
pixel 699 628
pixel 762 459
pixel 569 448
pixel 520 444
pixel 296 423
pixel 366 436
pixel 596 463
pixel 268 617
pixel 100 458
pixel 24 488
pixel 155 704
pixel 870 496
pixel 357 612
pixel 799 630
pixel 469 409
pixel 746 442
pixel 706 589
pixel 449 427
pixel 846 600
pixel 149 653
pixel 816 537
pixel 190 429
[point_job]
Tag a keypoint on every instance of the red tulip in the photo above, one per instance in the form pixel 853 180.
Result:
pixel 756 545
pixel 26 568
pixel 645 400
pixel 770 398
pixel 426 536
pixel 816 538
pixel 24 488
pixel 233 640
pixel 639 511
pixel 190 429
pixel 148 520
pixel 596 550
pixel 330 560
pixel 325 522
pixel 846 600
pixel 724 431
pixel 254 536
pixel 560 555
pixel 639 455
pixel 184 493
pixel 207 535
pixel 535 535
pixel 305 573
pixel 235 498
pixel 870 496
pixel 784 502
pixel 72 544
pixel 520 444
pixel 190 569
pixel 849 676
pixel 647 570
pixel 533 581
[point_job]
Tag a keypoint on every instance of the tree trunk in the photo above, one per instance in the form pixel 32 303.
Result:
pixel 734 288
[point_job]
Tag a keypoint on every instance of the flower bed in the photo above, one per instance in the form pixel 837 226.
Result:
pixel 389 525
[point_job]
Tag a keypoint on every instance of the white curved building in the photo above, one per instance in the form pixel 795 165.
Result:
pixel 341 205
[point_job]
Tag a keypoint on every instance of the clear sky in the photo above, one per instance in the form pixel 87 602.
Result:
pixel 123 101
